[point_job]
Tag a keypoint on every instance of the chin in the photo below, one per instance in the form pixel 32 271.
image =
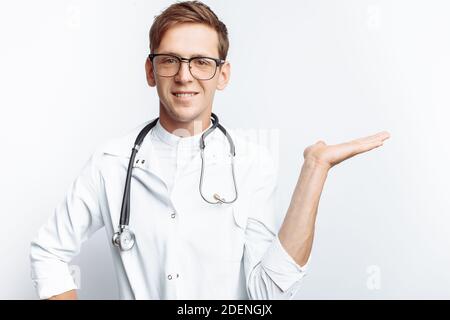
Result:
pixel 185 113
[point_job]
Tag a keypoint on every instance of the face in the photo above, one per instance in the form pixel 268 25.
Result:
pixel 187 40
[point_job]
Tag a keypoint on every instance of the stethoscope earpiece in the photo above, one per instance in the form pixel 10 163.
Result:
pixel 219 199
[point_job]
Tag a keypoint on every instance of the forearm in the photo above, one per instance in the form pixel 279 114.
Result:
pixel 69 295
pixel 297 231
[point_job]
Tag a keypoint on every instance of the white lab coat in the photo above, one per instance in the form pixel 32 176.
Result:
pixel 185 248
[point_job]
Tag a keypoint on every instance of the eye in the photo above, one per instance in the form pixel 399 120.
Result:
pixel 202 62
pixel 169 60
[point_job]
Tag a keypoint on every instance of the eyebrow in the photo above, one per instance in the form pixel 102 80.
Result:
pixel 194 55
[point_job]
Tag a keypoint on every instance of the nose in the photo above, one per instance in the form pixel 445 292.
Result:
pixel 184 74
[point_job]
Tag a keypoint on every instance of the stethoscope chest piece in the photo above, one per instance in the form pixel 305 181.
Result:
pixel 124 239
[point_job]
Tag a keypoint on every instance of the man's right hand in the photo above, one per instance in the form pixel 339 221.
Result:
pixel 68 295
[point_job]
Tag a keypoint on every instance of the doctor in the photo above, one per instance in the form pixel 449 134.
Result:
pixel 186 247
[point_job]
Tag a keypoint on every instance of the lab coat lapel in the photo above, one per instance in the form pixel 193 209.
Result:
pixel 147 160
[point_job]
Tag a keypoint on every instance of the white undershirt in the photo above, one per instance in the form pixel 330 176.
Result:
pixel 173 152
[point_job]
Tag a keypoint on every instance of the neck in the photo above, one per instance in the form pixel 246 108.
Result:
pixel 184 128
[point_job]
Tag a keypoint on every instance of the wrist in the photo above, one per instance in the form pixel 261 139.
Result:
pixel 316 165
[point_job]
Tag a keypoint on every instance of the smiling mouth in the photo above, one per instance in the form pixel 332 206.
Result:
pixel 184 94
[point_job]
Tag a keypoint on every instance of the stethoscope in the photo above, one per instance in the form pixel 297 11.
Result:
pixel 124 239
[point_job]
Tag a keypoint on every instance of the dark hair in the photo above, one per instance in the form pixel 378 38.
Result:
pixel 188 12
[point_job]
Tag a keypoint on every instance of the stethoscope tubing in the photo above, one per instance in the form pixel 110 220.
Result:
pixel 124 238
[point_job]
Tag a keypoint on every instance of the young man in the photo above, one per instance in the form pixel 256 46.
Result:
pixel 216 239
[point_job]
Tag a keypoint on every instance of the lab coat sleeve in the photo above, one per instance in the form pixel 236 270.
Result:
pixel 76 218
pixel 271 273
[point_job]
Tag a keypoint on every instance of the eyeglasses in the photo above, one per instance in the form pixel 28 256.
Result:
pixel 201 68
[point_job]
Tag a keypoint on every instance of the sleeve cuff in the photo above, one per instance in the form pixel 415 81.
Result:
pixel 52 281
pixel 281 267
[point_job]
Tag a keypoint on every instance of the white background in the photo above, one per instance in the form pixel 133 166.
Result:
pixel 72 77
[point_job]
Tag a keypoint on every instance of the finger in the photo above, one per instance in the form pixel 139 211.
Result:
pixel 383 135
pixel 365 144
pixel 372 145
pixel 321 142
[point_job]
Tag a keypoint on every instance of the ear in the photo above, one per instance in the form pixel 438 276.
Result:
pixel 224 75
pixel 149 73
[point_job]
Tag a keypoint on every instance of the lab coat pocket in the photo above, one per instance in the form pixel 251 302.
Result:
pixel 234 239
pixel 239 217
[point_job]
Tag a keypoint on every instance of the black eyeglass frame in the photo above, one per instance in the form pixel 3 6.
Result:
pixel 219 62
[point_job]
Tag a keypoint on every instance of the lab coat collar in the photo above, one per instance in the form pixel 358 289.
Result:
pixel 217 149
pixel 188 142
pixel 121 146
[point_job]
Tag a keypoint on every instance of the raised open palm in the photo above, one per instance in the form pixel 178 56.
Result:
pixel 330 155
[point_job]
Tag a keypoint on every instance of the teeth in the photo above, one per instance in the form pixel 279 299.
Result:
pixel 184 94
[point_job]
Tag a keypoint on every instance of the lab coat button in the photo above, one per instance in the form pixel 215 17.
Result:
pixel 169 277
pixel 173 215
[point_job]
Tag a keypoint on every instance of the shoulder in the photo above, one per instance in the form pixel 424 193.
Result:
pixel 120 145
pixel 256 148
